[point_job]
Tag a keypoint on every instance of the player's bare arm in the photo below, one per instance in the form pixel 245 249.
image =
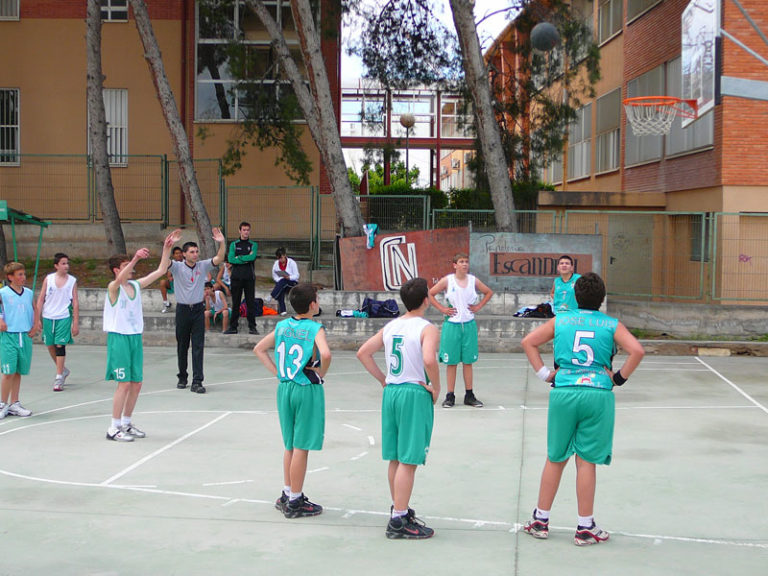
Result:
pixel 531 343
pixel 75 311
pixel 485 291
pixel 365 355
pixel 262 352
pixel 321 342
pixel 165 257
pixel 40 302
pixel 430 342
pixel 631 346
pixel 441 285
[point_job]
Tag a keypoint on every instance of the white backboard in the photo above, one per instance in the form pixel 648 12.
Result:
pixel 700 30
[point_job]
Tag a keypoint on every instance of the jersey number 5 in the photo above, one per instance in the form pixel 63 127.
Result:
pixel 396 356
pixel 580 346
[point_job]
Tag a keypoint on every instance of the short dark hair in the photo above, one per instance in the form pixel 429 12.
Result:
pixel 280 252
pixel 565 257
pixel 176 249
pixel 188 245
pixel 589 291
pixel 116 260
pixel 301 296
pixel 208 285
pixel 58 256
pixel 243 225
pixel 413 293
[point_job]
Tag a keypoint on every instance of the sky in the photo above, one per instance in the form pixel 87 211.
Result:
pixel 351 71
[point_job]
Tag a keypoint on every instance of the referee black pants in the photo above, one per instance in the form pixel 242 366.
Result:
pixel 190 327
pixel 240 287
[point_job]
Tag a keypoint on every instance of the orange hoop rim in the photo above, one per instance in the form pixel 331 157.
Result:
pixel 683 107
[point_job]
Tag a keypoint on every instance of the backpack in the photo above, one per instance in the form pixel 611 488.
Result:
pixel 380 308
pixel 258 308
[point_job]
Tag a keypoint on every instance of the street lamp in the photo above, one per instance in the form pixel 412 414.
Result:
pixel 407 121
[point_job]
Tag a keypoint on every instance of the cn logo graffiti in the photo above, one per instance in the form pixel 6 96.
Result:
pixel 397 267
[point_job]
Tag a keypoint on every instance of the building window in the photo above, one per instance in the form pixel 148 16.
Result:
pixel 9 9
pixel 113 10
pixel 116 110
pixel 608 131
pixel 700 236
pixel 641 149
pixel 609 18
pixel 220 63
pixel 698 134
pixel 579 142
pixel 9 126
pixel 636 7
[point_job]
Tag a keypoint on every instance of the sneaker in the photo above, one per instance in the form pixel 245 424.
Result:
pixel 301 506
pixel 64 376
pixel 58 384
pixel 197 388
pixel 118 435
pixel 16 409
pixel 408 527
pixel 450 400
pixel 181 384
pixel 3 410
pixel 268 300
pixel 281 502
pixel 253 330
pixel 284 313
pixel 586 536
pixel 470 400
pixel 131 430
pixel 537 528
pixel 166 308
pixel 230 331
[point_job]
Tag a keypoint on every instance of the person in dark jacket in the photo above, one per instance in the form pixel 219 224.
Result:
pixel 242 254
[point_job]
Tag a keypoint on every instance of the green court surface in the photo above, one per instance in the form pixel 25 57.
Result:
pixel 684 495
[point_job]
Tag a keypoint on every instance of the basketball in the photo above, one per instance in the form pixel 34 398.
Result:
pixel 544 36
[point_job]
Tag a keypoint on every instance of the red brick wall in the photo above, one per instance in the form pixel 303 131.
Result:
pixel 158 9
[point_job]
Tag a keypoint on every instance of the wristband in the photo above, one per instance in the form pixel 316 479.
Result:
pixel 543 373
pixel 618 379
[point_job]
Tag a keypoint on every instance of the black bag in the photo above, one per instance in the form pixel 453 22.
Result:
pixel 258 308
pixel 380 308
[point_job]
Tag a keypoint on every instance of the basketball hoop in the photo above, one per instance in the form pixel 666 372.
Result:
pixel 653 115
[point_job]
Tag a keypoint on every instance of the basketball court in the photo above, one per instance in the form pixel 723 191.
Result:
pixel 197 495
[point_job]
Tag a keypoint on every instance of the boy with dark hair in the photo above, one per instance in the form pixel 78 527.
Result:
pixel 124 325
pixel 17 327
pixel 215 306
pixel 60 311
pixel 407 409
pixel 242 255
pixel 561 294
pixel 458 335
pixel 581 404
pixel 301 361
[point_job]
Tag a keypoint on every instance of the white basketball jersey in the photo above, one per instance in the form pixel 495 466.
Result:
pixel 402 347
pixel 57 300
pixel 124 316
pixel 460 298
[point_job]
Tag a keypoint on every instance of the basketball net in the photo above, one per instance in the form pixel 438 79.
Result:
pixel 653 115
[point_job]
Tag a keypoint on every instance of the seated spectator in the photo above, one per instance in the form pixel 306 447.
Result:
pixel 223 281
pixel 285 273
pixel 215 306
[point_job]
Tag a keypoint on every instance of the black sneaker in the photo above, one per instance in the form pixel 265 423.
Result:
pixel 470 400
pixel 181 384
pixel 197 388
pixel 230 331
pixel 301 506
pixel 281 502
pixel 450 400
pixel 408 527
pixel 537 528
pixel 587 535
pixel 253 330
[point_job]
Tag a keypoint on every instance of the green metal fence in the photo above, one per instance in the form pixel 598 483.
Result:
pixel 396 213
pixel 740 257
pixel 528 221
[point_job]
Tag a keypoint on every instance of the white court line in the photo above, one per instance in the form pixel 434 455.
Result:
pixel 355 428
pixel 321 469
pixel 161 450
pixel 723 407
pixel 739 390
pixel 227 483
pixel 361 455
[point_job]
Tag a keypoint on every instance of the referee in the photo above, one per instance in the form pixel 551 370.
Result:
pixel 189 278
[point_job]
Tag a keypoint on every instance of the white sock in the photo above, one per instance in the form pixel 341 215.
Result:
pixel 287 490
pixel 542 515
pixel 115 422
pixel 126 421
pixel 586 521
pixel 294 495
pixel 166 303
pixel 399 513
pixel 58 376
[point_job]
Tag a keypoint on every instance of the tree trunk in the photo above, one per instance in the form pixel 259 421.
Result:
pixel 487 125
pixel 187 178
pixel 97 132
pixel 3 248
pixel 317 105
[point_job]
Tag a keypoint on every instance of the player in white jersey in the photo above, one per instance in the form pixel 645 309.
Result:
pixel 58 305
pixel 458 336
pixel 411 387
pixel 124 325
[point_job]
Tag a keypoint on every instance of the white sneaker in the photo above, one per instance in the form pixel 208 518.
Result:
pixel 268 300
pixel 166 308
pixel 64 375
pixel 58 384
pixel 16 409
pixel 3 410
pixel 283 313
pixel 118 435
pixel 131 430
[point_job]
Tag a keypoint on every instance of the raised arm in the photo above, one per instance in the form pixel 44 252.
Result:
pixel 165 259
pixel 221 254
